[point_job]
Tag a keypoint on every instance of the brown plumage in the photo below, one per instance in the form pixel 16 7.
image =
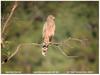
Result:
pixel 48 33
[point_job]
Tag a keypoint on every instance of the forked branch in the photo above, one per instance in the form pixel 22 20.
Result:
pixel 53 43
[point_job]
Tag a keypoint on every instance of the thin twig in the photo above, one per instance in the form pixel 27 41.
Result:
pixel 9 17
pixel 65 41
pixel 62 51
pixel 74 39
pixel 17 49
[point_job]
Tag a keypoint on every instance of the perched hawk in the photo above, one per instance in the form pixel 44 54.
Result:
pixel 48 33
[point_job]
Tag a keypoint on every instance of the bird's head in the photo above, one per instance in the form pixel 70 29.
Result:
pixel 50 17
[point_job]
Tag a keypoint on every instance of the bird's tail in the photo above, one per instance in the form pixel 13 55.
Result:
pixel 44 49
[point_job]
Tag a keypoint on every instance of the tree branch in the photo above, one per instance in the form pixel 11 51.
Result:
pixel 53 43
pixel 6 24
pixel 65 41
pixel 62 51
pixel 9 17
pixel 17 49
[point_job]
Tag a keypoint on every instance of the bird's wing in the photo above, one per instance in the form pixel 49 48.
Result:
pixel 44 29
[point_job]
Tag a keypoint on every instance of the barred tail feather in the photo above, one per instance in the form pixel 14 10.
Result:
pixel 44 49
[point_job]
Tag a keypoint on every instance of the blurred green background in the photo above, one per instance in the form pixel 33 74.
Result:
pixel 77 19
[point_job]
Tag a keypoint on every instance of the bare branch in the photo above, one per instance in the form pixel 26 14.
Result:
pixel 65 41
pixel 17 49
pixel 62 51
pixel 14 52
pixel 53 43
pixel 9 17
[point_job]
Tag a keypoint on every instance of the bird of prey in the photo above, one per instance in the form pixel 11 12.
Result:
pixel 48 33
